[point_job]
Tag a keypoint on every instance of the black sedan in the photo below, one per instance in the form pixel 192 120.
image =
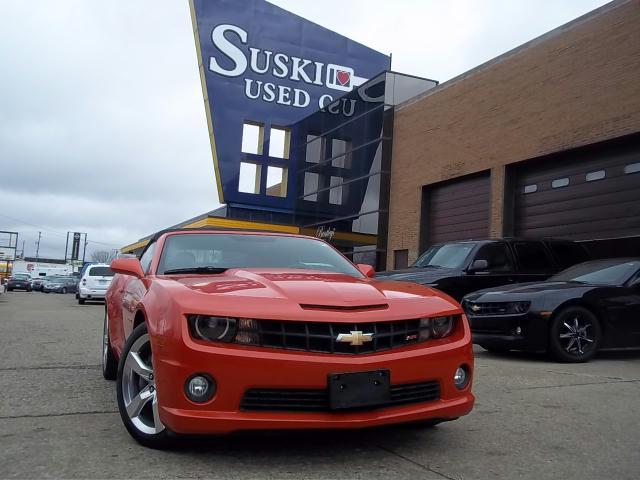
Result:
pixel 19 281
pixel 589 307
pixel 60 285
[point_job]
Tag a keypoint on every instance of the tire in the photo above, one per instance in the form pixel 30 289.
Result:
pixel 10 289
pixel 575 335
pixel 109 362
pixel 81 301
pixel 144 425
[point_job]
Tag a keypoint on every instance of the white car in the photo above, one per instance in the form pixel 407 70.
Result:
pixel 94 282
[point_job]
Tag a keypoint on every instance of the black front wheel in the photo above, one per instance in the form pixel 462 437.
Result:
pixel 575 335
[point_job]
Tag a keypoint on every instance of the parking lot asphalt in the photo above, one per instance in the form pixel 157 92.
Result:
pixel 533 418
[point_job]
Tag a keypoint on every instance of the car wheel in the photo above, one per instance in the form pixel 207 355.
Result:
pixel 109 362
pixel 137 394
pixel 10 289
pixel 575 335
pixel 81 300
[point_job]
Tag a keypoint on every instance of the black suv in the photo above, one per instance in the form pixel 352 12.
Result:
pixel 458 268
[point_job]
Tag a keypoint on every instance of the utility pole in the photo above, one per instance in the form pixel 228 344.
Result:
pixel 38 246
pixel 23 248
pixel 66 247
pixel 84 251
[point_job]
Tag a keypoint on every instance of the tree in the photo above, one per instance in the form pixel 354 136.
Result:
pixel 103 256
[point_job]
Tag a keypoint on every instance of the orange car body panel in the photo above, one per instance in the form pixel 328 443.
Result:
pixel 277 294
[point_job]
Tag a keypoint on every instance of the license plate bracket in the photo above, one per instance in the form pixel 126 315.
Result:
pixel 359 389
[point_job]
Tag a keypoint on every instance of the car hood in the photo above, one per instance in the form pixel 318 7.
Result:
pixel 255 291
pixel 419 275
pixel 525 290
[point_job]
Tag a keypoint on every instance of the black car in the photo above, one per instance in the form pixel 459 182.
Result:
pixel 459 268
pixel 60 285
pixel 589 307
pixel 19 281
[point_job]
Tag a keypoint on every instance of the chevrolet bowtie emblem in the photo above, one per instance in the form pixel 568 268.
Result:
pixel 475 308
pixel 355 338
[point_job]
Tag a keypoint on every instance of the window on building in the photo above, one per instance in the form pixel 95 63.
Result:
pixel 339 149
pixel 632 168
pixel 252 138
pixel 400 259
pixel 560 182
pixel 311 186
pixel 335 194
pixel 593 176
pixel 530 188
pixel 533 257
pixel 314 149
pixel 276 181
pixel 249 178
pixel 279 140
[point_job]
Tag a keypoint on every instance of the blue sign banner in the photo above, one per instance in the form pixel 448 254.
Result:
pixel 263 69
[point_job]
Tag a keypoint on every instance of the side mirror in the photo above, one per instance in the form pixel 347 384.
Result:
pixel 127 266
pixel 478 266
pixel 366 270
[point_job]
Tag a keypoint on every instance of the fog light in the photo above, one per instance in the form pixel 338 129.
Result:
pixel 518 331
pixel 460 378
pixel 200 388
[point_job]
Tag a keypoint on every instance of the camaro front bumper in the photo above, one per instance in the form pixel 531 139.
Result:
pixel 237 369
pixel 517 332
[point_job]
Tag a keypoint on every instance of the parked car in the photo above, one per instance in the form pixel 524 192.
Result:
pixel 459 268
pixel 19 281
pixel 38 282
pixel 215 332
pixel 94 282
pixel 59 285
pixel 589 307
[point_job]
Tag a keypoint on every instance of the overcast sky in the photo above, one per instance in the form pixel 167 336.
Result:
pixel 102 124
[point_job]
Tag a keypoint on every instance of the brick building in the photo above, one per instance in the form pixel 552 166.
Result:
pixel 541 141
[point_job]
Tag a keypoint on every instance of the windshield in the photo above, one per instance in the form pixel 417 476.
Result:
pixel 451 255
pixel 213 253
pixel 600 272
pixel 21 276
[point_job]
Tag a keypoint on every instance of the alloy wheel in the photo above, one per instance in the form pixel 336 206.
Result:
pixel 576 336
pixel 139 388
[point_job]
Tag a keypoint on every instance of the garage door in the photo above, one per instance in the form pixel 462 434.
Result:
pixel 587 194
pixel 457 210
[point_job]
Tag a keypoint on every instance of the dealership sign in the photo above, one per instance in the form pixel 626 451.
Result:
pixel 260 64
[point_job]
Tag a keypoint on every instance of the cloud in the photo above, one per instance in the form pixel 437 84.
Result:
pixel 102 124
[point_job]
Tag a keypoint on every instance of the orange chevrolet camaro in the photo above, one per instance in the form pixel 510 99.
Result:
pixel 213 332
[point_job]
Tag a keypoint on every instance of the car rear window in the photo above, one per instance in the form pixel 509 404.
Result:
pixel 100 272
pixel 568 254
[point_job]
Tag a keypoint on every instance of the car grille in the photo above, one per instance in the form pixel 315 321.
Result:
pixel 487 308
pixel 321 336
pixel 317 400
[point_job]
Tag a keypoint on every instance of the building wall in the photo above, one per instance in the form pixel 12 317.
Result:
pixel 574 86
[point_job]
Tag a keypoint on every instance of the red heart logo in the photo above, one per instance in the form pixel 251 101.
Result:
pixel 343 77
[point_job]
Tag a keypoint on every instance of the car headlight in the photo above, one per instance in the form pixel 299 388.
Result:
pixel 441 326
pixel 212 329
pixel 435 327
